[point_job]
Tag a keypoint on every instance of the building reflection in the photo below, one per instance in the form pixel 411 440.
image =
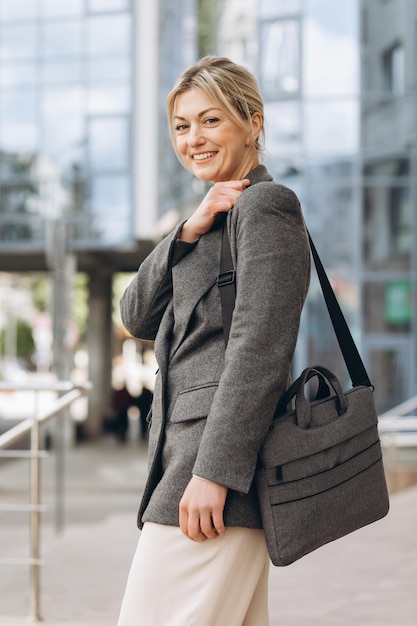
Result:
pixel 84 141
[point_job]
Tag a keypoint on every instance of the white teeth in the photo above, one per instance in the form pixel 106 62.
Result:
pixel 205 155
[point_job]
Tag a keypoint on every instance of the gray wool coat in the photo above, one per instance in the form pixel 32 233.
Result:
pixel 213 406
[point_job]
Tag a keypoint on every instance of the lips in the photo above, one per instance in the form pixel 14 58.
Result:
pixel 202 156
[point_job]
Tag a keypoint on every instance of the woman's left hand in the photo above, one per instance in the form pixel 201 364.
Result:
pixel 201 509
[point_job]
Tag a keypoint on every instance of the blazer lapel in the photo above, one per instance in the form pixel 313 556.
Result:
pixel 192 278
pixel 164 338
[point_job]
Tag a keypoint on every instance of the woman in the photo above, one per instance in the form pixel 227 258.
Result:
pixel 202 559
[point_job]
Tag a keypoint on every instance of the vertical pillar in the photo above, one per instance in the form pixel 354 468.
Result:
pixel 100 349
pixel 146 118
pixel 412 34
pixel 63 267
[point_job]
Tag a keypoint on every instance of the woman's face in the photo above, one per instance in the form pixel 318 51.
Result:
pixel 210 143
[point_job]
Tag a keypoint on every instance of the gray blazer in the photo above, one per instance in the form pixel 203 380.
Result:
pixel 213 406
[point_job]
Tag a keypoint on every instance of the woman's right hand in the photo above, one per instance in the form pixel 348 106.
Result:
pixel 201 509
pixel 220 199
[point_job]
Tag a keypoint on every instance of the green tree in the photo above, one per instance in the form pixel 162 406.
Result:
pixel 208 13
pixel 25 344
pixel 40 288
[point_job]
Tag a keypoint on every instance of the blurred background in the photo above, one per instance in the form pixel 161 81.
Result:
pixel 89 182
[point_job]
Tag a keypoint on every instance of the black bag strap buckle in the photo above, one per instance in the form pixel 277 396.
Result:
pixel 226 278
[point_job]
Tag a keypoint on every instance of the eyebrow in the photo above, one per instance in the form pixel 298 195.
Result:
pixel 179 117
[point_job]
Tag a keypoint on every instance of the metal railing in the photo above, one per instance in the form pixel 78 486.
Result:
pixel 397 427
pixel 398 434
pixel 31 426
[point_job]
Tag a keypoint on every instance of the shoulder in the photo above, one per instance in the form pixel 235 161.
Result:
pixel 271 192
pixel 267 198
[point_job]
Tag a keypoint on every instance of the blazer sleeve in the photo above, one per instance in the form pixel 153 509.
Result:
pixel 146 298
pixel 272 277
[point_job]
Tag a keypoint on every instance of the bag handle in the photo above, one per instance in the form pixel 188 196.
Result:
pixel 303 406
pixel 323 390
pixel 227 284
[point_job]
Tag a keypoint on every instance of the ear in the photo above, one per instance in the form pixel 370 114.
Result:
pixel 256 122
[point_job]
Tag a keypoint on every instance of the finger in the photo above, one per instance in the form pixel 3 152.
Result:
pixel 207 527
pixel 224 189
pixel 218 522
pixel 183 519
pixel 190 520
pixel 223 201
pixel 223 204
pixel 194 529
pixel 235 184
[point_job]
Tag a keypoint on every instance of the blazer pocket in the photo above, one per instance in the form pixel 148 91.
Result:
pixel 193 403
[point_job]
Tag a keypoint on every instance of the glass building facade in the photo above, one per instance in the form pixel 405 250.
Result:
pixel 341 105
pixel 84 140
pixel 389 208
pixel 177 188
pixel 308 69
pixel 65 120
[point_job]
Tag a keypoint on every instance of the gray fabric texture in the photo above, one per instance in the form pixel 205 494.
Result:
pixel 327 481
pixel 213 406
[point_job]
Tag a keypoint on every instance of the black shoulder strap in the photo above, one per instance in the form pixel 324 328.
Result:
pixel 226 282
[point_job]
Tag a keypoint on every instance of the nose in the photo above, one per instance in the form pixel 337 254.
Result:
pixel 195 137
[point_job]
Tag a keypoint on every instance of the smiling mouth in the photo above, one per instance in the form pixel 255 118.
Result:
pixel 203 156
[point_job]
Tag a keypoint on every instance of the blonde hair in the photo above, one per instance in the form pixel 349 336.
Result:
pixel 232 87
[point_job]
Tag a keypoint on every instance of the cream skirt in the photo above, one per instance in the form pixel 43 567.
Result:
pixel 174 581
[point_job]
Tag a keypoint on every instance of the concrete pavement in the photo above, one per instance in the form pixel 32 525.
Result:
pixel 368 578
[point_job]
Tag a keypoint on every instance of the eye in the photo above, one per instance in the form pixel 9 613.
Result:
pixel 181 127
pixel 211 121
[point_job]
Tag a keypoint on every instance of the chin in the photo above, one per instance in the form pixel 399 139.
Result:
pixel 204 175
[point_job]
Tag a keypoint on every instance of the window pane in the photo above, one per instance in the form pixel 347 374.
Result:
pixel 389 369
pixel 109 69
pixel 96 6
pixel 110 205
pixel 17 41
pixel 108 143
pixel 64 72
pixel 280 59
pixel 283 135
pixel 331 128
pixel 388 307
pixel 63 124
pixel 18 121
pixel 61 38
pixel 393 70
pixel 330 203
pixel 110 196
pixel 53 8
pixel 387 232
pixel 17 9
pixel 273 8
pixel 108 99
pixel 331 48
pixel 109 34
pixel 18 75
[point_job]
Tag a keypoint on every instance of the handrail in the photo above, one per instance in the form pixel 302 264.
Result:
pixel 396 427
pixel 24 427
pixel 394 424
pixel 32 425
pixel 55 385
pixel 401 410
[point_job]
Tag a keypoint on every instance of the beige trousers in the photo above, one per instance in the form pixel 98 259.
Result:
pixel 174 581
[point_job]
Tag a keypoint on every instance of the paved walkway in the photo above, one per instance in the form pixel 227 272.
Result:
pixel 368 578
